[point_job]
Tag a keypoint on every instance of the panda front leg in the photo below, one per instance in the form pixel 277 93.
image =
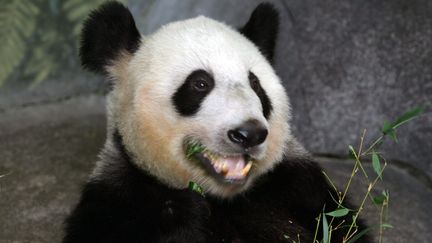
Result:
pixel 185 218
pixel 136 210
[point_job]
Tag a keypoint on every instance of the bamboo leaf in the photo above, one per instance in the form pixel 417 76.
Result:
pixel 338 212
pixel 195 187
pixel 325 229
pixel 409 115
pixel 359 235
pixel 390 128
pixel 379 200
pixel 387 127
pixel 194 148
pixel 386 226
pixel 376 164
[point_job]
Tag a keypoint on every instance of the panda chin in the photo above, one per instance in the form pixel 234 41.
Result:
pixel 233 169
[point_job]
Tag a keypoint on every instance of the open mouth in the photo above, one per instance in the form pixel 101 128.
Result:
pixel 233 169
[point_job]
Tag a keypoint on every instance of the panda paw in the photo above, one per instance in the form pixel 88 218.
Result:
pixel 184 208
pixel 186 215
pixel 168 209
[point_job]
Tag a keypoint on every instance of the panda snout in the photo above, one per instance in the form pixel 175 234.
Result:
pixel 249 134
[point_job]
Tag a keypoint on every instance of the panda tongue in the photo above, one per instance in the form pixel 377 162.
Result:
pixel 232 166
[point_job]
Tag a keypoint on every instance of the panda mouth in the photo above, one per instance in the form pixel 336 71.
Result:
pixel 231 169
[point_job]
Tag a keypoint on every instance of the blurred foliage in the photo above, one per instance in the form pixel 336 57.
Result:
pixel 40 38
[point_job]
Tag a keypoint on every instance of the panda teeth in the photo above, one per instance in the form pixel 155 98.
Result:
pixel 247 168
pixel 216 166
pixel 222 167
pixel 225 168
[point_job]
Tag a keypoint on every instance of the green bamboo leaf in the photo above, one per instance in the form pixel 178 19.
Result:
pixel 338 212
pixel 194 148
pixel 379 200
pixel 386 226
pixel 387 127
pixel 376 164
pixel 196 188
pixel 409 115
pixel 359 235
pixel 390 128
pixel 325 229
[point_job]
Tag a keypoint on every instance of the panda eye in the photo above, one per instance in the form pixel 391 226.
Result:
pixel 260 92
pixel 189 96
pixel 200 85
pixel 254 82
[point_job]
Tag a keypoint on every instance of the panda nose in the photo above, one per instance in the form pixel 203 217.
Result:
pixel 249 134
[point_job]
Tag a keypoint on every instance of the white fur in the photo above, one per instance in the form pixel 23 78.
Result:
pixel 153 132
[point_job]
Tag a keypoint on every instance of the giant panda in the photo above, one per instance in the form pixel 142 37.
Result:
pixel 196 102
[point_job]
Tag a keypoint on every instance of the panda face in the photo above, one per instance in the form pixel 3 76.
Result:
pixel 232 119
pixel 198 101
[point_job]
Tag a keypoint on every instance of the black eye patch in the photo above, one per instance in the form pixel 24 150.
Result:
pixel 188 97
pixel 262 95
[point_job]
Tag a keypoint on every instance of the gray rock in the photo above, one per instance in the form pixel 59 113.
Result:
pixel 47 153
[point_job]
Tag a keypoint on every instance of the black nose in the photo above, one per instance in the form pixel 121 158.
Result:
pixel 249 134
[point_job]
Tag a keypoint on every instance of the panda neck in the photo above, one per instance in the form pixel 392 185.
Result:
pixel 117 141
pixel 117 164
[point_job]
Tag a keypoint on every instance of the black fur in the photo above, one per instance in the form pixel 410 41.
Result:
pixel 124 204
pixel 262 29
pixel 187 99
pixel 107 31
pixel 262 95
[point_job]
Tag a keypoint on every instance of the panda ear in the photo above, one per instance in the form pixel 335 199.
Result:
pixel 108 32
pixel 262 29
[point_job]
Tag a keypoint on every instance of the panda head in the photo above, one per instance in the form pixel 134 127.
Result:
pixel 195 101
